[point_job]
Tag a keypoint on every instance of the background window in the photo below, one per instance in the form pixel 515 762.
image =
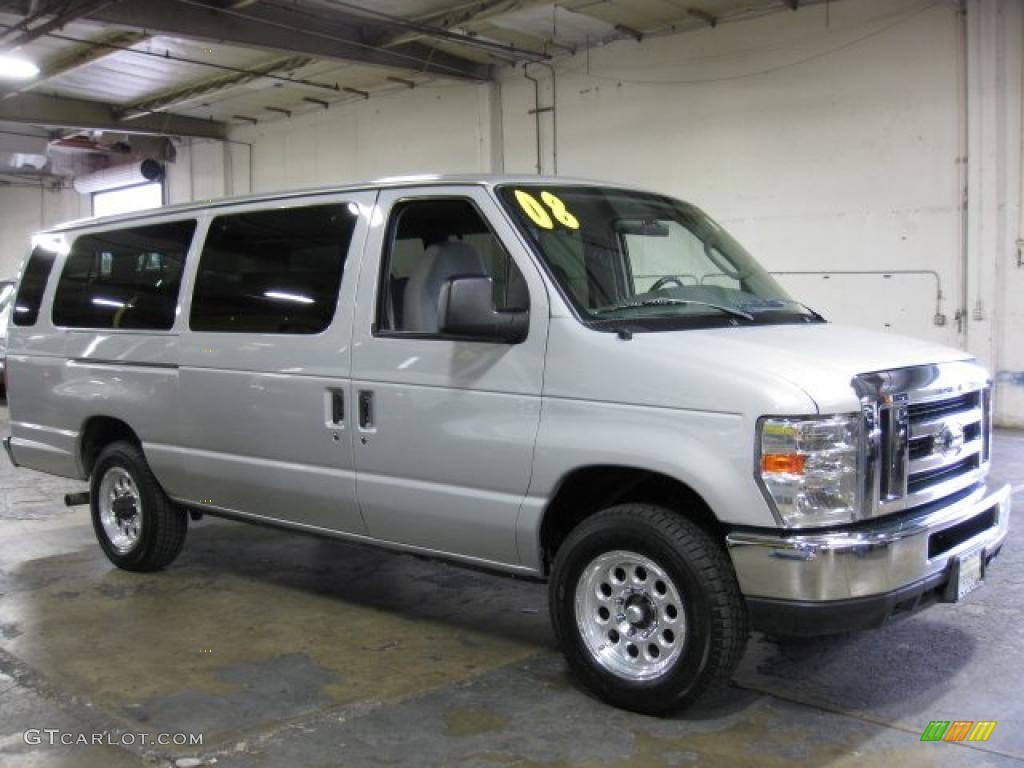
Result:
pixel 33 283
pixel 141 197
pixel 275 271
pixel 674 251
pixel 433 241
pixel 126 278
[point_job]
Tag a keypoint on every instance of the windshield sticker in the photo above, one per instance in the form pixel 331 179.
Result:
pixel 558 210
pixel 539 215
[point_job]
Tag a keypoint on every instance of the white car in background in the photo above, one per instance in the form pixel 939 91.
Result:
pixel 6 300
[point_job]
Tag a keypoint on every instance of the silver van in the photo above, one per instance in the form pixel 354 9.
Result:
pixel 570 381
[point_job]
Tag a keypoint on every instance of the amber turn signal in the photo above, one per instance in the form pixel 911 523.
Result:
pixel 778 463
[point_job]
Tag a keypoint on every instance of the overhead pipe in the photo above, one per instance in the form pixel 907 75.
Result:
pixel 535 111
pixel 1020 200
pixel 963 180
pixel 554 113
pixel 538 110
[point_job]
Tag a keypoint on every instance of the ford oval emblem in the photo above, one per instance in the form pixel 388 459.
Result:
pixel 950 441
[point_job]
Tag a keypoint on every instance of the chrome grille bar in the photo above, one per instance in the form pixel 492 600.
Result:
pixel 895 447
pixel 926 434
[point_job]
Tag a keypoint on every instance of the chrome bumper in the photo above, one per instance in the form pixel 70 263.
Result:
pixel 866 561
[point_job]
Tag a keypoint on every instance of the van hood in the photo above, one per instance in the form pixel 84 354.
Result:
pixel 822 359
pixel 752 370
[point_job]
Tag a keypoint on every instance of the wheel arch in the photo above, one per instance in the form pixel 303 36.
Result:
pixel 96 434
pixel 586 490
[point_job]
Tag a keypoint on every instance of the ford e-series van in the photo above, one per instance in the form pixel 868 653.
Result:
pixel 570 381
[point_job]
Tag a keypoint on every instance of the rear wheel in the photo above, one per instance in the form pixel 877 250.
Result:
pixel 138 527
pixel 646 608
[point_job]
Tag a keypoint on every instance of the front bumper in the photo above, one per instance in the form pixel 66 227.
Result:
pixel 860 576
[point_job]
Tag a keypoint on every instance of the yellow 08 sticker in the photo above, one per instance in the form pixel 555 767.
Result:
pixel 539 214
pixel 558 210
pixel 532 208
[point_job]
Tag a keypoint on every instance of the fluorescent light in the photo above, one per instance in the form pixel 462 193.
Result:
pixel 108 302
pixel 283 296
pixel 13 68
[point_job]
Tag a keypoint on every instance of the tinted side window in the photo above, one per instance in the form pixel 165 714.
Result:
pixel 126 278
pixel 433 241
pixel 275 271
pixel 33 283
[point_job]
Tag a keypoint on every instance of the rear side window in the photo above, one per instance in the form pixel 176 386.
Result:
pixel 274 271
pixel 126 278
pixel 33 283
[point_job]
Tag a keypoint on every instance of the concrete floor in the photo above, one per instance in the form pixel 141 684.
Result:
pixel 283 649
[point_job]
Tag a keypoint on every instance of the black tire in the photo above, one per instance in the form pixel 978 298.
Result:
pixel 161 533
pixel 716 626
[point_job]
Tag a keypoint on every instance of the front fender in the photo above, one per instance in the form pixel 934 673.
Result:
pixel 711 453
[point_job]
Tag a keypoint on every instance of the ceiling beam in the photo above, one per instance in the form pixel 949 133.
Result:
pixel 468 15
pixel 343 36
pixel 54 112
pixel 185 94
pixel 440 32
pixel 470 12
pixel 49 20
pixel 81 56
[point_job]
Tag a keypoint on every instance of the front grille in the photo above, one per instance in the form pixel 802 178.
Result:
pixel 921 448
pixel 923 480
pixel 936 408
pixel 945 439
pixel 927 434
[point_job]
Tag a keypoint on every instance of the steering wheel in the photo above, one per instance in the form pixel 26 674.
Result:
pixel 663 281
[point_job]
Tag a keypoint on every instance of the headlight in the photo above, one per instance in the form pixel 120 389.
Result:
pixel 808 468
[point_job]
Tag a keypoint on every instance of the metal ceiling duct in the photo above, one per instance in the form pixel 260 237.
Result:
pixel 119 176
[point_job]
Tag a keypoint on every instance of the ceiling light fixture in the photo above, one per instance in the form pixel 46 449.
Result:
pixel 13 68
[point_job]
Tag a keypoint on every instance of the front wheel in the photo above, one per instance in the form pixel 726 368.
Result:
pixel 138 527
pixel 646 608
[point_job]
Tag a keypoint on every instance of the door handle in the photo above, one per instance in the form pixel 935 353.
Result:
pixel 338 407
pixel 366 416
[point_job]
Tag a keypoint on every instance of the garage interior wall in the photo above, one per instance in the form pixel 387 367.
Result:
pixel 27 208
pixel 843 137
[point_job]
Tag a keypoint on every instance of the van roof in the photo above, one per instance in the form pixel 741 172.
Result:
pixel 389 182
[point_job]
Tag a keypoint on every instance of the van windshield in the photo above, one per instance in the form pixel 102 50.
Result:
pixel 642 261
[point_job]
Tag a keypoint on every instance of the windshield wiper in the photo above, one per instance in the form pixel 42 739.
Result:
pixel 814 313
pixel 666 301
pixel 775 304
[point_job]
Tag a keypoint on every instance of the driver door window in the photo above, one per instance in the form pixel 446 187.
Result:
pixel 432 241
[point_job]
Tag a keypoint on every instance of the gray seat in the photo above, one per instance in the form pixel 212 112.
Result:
pixel 439 263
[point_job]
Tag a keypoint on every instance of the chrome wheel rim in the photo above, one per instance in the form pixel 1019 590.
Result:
pixel 120 509
pixel 630 615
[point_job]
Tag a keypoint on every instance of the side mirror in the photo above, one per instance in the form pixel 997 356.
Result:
pixel 466 309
